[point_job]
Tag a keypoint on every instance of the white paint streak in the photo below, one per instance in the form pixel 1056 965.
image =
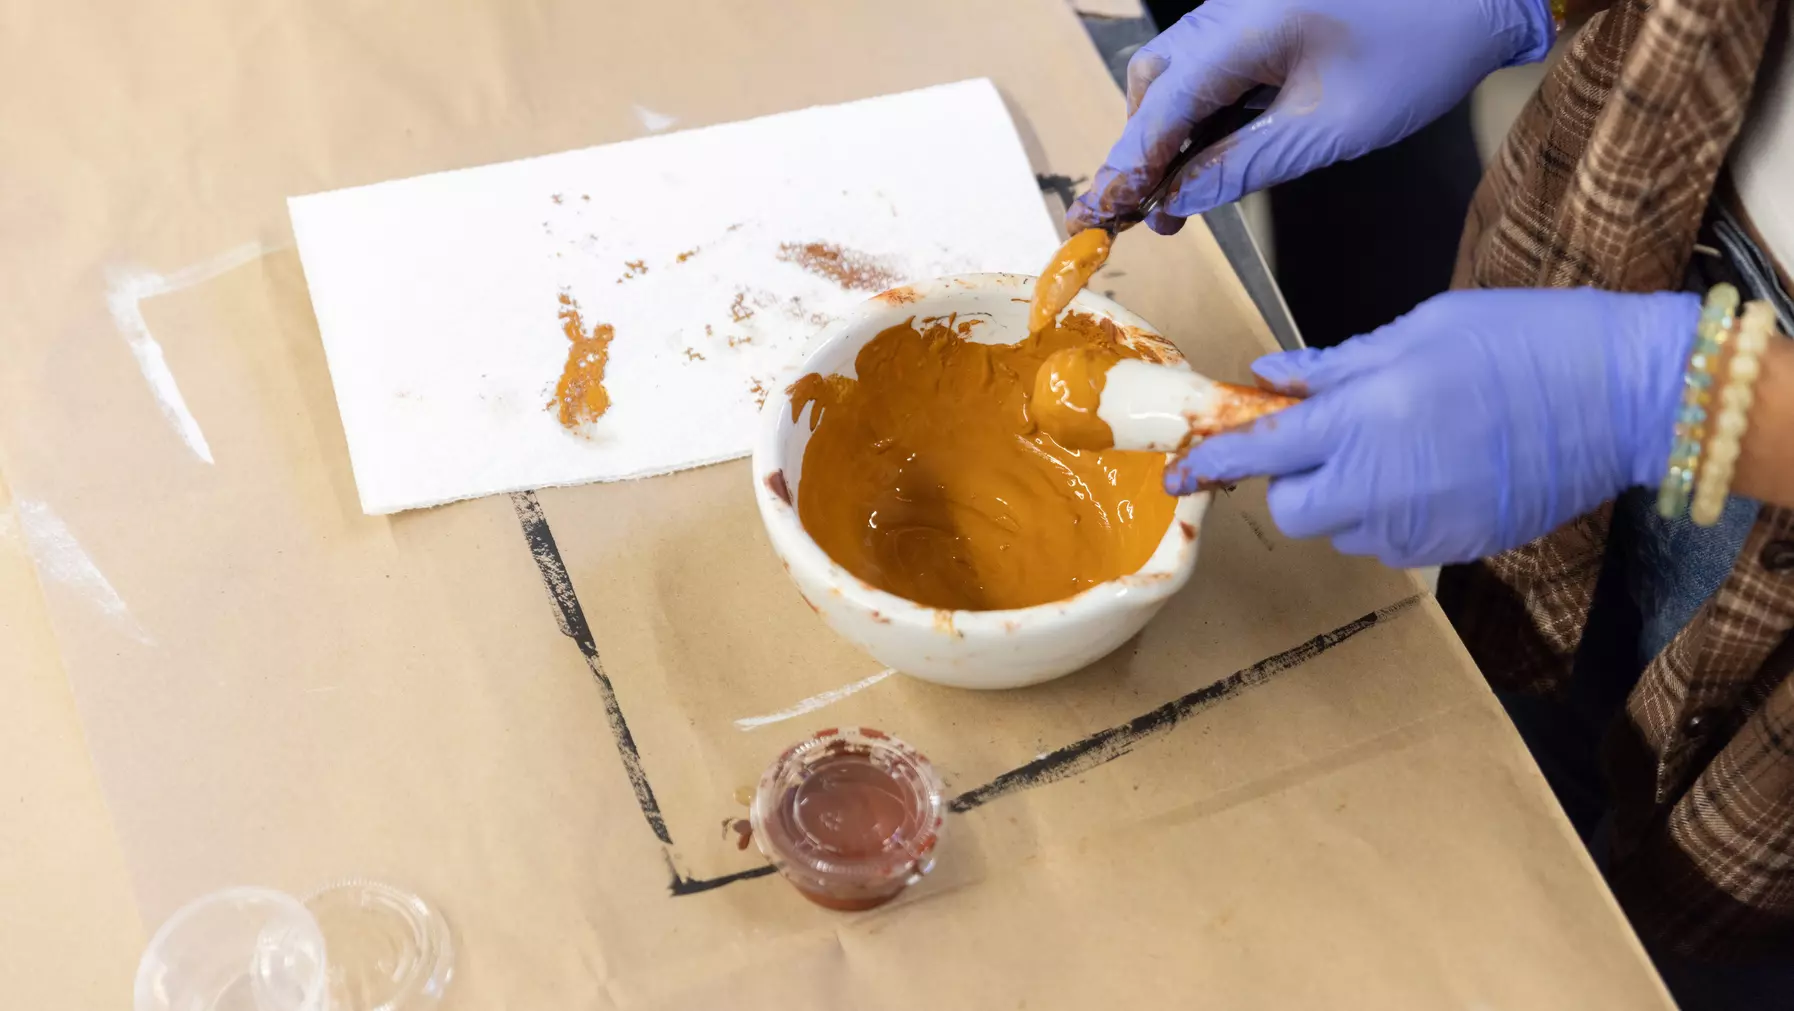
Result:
pixel 60 558
pixel 652 121
pixel 813 703
pixel 125 293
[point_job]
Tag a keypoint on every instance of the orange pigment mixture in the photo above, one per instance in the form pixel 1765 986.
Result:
pixel 579 397
pixel 1067 391
pixel 1070 269
pixel 927 477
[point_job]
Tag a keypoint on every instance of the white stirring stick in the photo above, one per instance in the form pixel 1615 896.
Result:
pixel 1086 401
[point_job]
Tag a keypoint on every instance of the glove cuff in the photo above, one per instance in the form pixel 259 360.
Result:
pixel 1537 31
pixel 1662 339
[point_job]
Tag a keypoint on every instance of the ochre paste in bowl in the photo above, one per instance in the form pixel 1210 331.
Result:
pixel 927 477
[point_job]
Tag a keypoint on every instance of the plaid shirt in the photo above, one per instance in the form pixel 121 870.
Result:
pixel 1604 181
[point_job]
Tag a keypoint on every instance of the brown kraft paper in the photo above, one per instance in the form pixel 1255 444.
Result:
pixel 1292 790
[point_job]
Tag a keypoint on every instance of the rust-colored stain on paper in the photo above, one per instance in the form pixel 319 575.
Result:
pixel 795 308
pixel 741 829
pixel 633 268
pixel 579 397
pixel 738 309
pixel 853 270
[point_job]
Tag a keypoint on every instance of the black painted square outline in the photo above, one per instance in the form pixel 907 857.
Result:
pixel 1073 759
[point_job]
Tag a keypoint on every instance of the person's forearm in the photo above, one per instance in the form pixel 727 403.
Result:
pixel 1766 457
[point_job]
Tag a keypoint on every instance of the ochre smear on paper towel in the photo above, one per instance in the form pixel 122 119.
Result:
pixel 579 397
pixel 852 270
pixel 927 477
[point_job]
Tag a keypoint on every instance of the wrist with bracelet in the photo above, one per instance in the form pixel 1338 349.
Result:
pixel 1718 390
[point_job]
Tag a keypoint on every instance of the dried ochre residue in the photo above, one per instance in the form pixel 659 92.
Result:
pixel 848 268
pixel 579 397
pixel 927 477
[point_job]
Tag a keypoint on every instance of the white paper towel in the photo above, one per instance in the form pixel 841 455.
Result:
pixel 437 296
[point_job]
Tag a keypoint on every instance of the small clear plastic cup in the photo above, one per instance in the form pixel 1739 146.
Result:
pixel 849 816
pixel 389 949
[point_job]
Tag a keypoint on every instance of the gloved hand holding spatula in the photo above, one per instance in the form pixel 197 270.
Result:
pixel 1358 462
pixel 1353 76
pixel 1333 78
pixel 1474 424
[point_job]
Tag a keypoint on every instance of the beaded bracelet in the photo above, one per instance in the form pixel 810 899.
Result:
pixel 1710 336
pixel 1755 324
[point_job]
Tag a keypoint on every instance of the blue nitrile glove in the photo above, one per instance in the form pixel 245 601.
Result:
pixel 1474 424
pixel 1356 75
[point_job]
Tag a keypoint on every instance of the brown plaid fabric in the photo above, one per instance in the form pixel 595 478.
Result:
pixel 1604 181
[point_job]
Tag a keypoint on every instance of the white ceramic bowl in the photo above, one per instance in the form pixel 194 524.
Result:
pixel 969 649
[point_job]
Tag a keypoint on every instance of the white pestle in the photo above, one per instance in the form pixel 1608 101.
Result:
pixel 1144 405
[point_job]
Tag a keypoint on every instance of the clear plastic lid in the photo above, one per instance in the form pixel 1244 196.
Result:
pixel 352 946
pixel 242 949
